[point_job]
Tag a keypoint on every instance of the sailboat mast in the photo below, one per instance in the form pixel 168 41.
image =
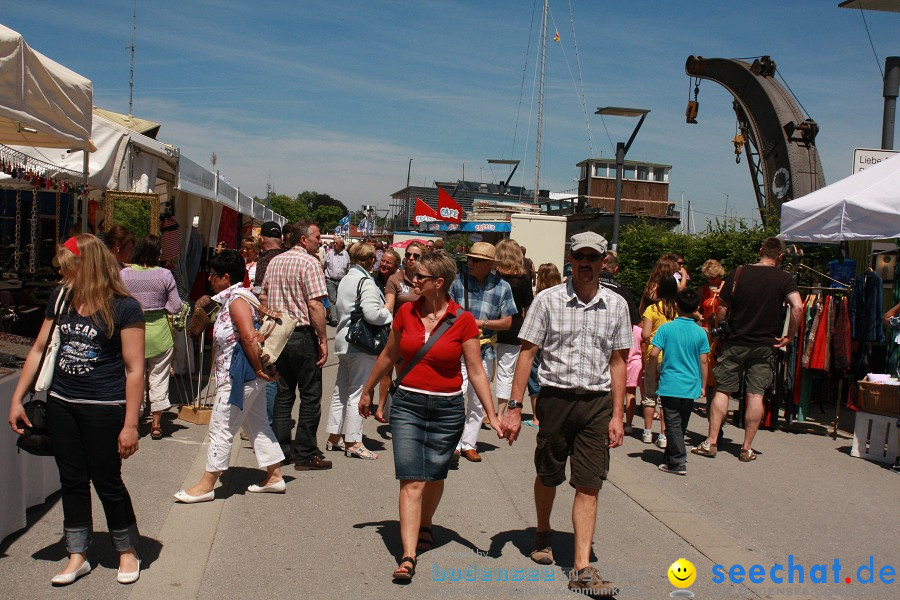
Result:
pixel 540 119
pixel 131 74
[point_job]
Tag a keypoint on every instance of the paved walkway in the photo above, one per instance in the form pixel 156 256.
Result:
pixel 335 533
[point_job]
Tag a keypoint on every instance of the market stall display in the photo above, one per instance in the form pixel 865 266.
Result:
pixel 28 479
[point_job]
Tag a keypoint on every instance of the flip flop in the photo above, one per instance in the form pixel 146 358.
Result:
pixel 156 433
pixel 529 423
pixel 380 419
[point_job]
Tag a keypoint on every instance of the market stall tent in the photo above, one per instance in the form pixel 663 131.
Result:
pixel 42 103
pixel 864 206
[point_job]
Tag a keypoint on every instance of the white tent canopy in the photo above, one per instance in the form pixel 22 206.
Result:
pixel 864 206
pixel 42 103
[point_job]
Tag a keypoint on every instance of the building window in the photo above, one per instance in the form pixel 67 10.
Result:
pixel 583 175
pixel 600 170
pixel 643 173
pixel 660 174
pixel 628 172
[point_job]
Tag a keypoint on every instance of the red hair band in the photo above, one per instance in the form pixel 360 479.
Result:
pixel 72 245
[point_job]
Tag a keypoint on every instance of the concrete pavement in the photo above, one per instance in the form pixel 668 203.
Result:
pixel 335 533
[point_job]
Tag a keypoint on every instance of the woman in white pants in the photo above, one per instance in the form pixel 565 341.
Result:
pixel 354 365
pixel 236 324
pixel 154 287
pixel 511 267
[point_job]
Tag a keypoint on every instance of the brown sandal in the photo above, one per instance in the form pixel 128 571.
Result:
pixel 156 433
pixel 403 573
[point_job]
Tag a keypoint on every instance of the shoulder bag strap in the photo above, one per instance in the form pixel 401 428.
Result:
pixel 359 291
pixel 435 335
pixel 61 299
pixel 253 301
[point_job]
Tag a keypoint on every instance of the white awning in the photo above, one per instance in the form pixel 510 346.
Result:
pixel 864 206
pixel 42 103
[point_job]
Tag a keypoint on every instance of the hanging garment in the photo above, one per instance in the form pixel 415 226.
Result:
pixel 840 341
pixel 228 223
pixel 820 343
pixel 813 328
pixel 170 235
pixel 866 308
pixel 829 331
pixel 801 344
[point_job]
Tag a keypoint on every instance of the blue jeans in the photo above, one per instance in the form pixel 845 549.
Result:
pixel 425 430
pixel 677 412
pixel 298 372
pixel 534 386
pixel 86 447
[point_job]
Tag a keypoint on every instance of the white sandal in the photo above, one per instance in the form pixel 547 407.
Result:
pixel 361 452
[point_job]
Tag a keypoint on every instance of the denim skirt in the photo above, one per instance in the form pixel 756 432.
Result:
pixel 425 431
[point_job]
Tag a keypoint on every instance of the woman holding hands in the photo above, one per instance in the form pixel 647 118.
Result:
pixel 428 412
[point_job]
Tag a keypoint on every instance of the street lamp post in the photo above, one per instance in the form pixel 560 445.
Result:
pixel 621 151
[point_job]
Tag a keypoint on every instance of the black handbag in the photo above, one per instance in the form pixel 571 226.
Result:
pixel 363 335
pixel 36 439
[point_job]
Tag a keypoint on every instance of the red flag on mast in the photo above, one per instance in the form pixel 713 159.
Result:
pixel 448 209
pixel 424 213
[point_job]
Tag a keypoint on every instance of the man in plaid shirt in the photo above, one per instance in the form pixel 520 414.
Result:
pixel 584 333
pixel 294 283
pixel 489 298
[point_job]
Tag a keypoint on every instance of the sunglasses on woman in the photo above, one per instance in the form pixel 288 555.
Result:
pixel 421 276
pixel 411 255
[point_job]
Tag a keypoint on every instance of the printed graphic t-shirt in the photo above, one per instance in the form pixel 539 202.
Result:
pixel 89 365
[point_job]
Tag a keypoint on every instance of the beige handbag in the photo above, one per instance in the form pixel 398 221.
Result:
pixel 275 330
pixel 44 377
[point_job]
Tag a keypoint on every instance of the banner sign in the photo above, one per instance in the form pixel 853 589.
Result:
pixel 469 226
pixel 424 213
pixel 196 180
pixel 448 209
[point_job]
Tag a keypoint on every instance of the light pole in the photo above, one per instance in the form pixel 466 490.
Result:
pixel 621 151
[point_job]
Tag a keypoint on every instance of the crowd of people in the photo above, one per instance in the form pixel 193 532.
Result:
pixel 582 349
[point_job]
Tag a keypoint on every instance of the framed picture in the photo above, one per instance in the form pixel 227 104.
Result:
pixel 139 213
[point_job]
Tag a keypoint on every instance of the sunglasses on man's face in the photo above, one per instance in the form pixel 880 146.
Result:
pixel 476 261
pixel 590 256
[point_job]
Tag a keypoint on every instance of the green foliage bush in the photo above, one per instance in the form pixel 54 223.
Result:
pixel 321 209
pixel 641 244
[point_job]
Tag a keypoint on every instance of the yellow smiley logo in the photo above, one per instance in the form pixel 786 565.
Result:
pixel 682 573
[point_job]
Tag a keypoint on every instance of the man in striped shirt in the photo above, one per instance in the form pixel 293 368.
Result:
pixel 584 333
pixel 294 283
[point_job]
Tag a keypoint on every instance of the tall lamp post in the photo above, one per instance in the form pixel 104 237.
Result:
pixel 621 151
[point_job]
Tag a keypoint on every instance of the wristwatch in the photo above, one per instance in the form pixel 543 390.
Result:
pixel 513 404
pixel 484 324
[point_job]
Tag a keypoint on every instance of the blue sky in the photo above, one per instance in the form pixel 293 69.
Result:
pixel 336 96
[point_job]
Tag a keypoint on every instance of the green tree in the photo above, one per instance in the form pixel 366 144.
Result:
pixel 291 209
pixel 327 217
pixel 314 200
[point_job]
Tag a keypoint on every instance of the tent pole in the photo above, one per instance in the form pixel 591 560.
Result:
pixel 84 197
